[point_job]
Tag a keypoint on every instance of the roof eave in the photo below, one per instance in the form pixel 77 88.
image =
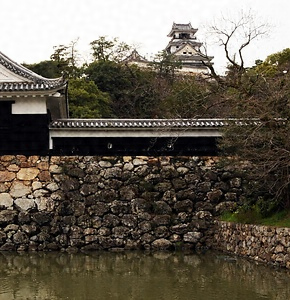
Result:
pixel 32 92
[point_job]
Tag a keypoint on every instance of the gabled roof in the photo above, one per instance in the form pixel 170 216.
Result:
pixel 193 43
pixel 182 44
pixel 135 56
pixel 16 78
pixel 196 55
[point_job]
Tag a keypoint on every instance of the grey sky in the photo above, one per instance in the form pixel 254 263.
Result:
pixel 31 28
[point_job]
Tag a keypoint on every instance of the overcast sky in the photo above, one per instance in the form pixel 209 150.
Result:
pixel 30 28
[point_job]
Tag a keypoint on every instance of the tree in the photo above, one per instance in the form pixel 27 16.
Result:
pixel 67 59
pixel 275 64
pixel 142 97
pixel 134 92
pixel 166 64
pixel 87 101
pixel 46 68
pixel 259 98
pixel 188 97
pixel 262 103
pixel 104 49
pixel 109 76
pixel 235 36
pixel 63 62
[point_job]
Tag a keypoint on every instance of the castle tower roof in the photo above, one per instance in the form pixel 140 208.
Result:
pixel 176 28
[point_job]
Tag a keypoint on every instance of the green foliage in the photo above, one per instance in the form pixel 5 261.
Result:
pixel 279 219
pixel 66 59
pixel 188 98
pixel 63 62
pixel 141 97
pixel 253 216
pixel 135 93
pixel 104 49
pixel 46 68
pixel 87 101
pixel 250 216
pixel 265 143
pixel 109 76
pixel 275 64
pixel 166 65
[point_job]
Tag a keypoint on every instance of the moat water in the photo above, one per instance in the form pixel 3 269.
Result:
pixel 138 276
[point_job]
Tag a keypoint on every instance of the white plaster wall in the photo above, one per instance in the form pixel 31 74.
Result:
pixel 186 49
pixel 29 106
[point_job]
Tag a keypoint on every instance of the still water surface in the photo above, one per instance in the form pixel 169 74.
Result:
pixel 138 276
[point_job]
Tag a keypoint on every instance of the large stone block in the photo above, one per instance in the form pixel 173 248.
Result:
pixel 41 218
pixel 7 216
pixel 6 200
pixel 161 244
pixel 20 238
pixel 6 176
pixel 44 175
pixel 18 189
pixel 161 208
pixel 192 237
pixel 114 172
pixel 27 173
pixel 25 204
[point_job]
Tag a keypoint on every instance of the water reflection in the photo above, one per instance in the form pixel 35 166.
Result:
pixel 138 275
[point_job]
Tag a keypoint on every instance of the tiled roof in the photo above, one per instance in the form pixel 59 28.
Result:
pixel 138 123
pixel 30 86
pixel 182 26
pixel 181 44
pixel 135 56
pixel 31 81
pixel 193 58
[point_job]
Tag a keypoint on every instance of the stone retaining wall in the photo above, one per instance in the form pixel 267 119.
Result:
pixel 72 203
pixel 91 203
pixel 261 243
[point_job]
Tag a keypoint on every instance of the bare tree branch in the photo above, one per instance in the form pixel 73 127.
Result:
pixel 244 30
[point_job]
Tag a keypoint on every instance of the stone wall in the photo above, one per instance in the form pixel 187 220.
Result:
pixel 91 203
pixel 72 203
pixel 260 243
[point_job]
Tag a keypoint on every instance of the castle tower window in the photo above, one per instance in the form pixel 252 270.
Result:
pixel 184 35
